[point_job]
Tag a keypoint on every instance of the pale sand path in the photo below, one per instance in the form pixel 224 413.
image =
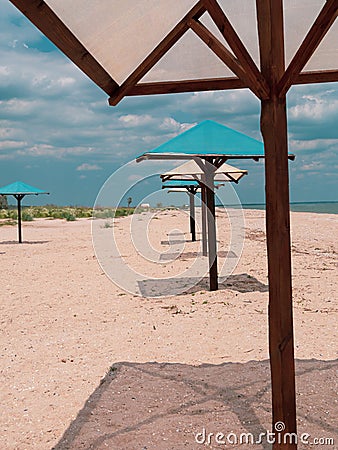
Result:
pixel 64 323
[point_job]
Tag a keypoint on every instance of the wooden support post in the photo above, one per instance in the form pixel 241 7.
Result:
pixel 19 198
pixel 212 244
pixel 274 131
pixel 204 218
pixel 192 215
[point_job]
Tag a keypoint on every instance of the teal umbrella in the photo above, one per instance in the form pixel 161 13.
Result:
pixel 19 190
pixel 191 187
pixel 209 139
pixel 210 145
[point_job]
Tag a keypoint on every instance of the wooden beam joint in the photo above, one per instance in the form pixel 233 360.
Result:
pixel 314 37
pixel 159 51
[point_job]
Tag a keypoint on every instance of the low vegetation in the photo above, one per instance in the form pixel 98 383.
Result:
pixel 69 213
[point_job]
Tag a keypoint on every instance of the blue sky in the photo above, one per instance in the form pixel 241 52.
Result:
pixel 58 133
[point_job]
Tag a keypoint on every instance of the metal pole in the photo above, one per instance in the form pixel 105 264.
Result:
pixel 192 215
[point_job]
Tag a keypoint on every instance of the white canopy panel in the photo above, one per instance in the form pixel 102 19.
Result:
pixel 142 47
pixel 121 34
pixel 190 170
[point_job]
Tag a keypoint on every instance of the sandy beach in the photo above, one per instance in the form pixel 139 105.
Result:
pixel 64 323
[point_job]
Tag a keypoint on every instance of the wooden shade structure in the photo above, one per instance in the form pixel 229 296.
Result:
pixel 191 189
pixel 210 145
pixel 19 190
pixel 206 176
pixel 139 47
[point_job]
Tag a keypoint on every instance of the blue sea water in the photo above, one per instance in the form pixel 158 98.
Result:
pixel 316 207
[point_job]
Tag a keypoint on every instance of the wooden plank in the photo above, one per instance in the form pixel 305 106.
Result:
pixel 41 15
pixel 160 50
pixel 274 131
pixel 175 87
pixel 221 84
pixel 19 197
pixel 223 54
pixel 218 48
pixel 312 40
pixel 211 220
pixel 204 217
pixel 236 45
pixel 192 215
pixel 323 76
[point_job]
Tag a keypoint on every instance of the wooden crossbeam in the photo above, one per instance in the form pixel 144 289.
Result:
pixel 322 76
pixel 160 50
pixel 320 27
pixel 40 14
pixel 252 72
pixel 222 84
pixel 175 87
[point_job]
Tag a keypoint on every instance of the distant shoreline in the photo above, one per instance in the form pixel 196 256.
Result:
pixel 315 207
pixel 324 207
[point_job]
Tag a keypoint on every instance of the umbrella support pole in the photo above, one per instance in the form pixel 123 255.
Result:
pixel 204 219
pixel 279 271
pixel 274 131
pixel 212 245
pixel 192 216
pixel 19 197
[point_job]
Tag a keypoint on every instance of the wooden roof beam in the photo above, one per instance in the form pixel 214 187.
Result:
pixel 41 15
pixel 321 76
pixel 221 84
pixel 160 50
pixel 176 87
pixel 224 54
pixel 223 24
pixel 320 27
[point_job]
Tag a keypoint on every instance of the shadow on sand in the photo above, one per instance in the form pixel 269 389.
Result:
pixel 162 406
pixel 189 255
pixel 171 286
pixel 23 242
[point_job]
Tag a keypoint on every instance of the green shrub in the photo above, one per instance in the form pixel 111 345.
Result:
pixel 3 213
pixel 105 213
pixel 69 216
pixel 12 214
pixel 26 216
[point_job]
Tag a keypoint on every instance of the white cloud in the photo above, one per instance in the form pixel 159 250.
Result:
pixel 88 167
pixel 314 108
pixel 134 177
pixel 133 120
pixel 4 71
pixel 314 166
pixel 9 145
pixel 312 144
pixel 39 150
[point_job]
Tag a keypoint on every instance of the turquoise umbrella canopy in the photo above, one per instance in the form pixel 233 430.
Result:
pixel 209 138
pixel 19 190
